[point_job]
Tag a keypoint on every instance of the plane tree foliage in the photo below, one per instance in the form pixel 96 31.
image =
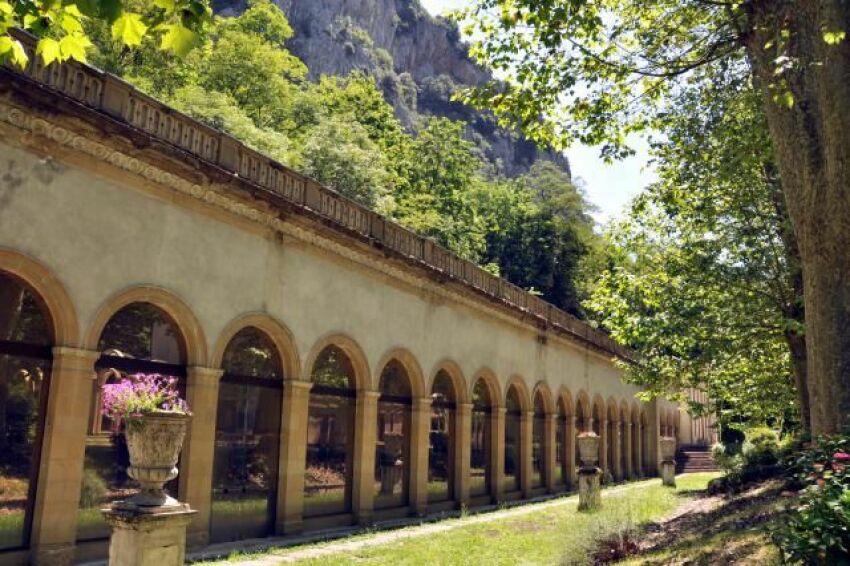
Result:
pixel 596 71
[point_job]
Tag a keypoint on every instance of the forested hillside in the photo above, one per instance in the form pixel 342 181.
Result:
pixel 532 228
pixel 418 62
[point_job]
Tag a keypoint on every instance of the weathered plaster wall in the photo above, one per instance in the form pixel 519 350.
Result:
pixel 100 237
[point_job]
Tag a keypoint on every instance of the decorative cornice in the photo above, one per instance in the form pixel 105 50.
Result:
pixel 119 101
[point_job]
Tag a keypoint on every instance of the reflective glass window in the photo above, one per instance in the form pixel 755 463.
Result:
pixel 330 435
pixel 441 439
pixel 513 417
pixel 139 338
pixel 538 443
pixel 25 339
pixel 247 439
pixel 392 449
pixel 479 468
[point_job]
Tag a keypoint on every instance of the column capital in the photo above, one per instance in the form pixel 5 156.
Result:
pixel 75 359
pixel 464 408
pixel 527 414
pixel 297 385
pixel 629 424
pixel 502 411
pixel 421 402
pixel 205 374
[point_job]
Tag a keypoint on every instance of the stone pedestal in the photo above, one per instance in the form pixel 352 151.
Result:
pixel 589 489
pixel 668 473
pixel 148 537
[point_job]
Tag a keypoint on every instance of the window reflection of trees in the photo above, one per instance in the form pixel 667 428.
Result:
pixel 247 438
pixel 138 338
pixel 442 434
pixel 25 354
pixel 392 456
pixel 538 445
pixel 330 435
pixel 480 469
pixel 512 440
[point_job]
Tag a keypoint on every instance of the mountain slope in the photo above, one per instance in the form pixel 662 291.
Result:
pixel 417 59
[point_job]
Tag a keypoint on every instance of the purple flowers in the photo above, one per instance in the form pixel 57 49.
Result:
pixel 140 394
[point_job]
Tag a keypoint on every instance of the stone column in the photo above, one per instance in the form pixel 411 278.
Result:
pixel 570 456
pixel 293 454
pixel 54 525
pixel 639 449
pixel 627 450
pixel 462 448
pixel 549 461
pixel 365 432
pixel 196 462
pixel 653 449
pixel 526 443
pixel 420 427
pixel 497 453
pixel 604 465
pixel 617 467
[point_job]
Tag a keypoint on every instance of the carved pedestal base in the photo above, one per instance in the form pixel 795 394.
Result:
pixel 668 473
pixel 589 489
pixel 148 537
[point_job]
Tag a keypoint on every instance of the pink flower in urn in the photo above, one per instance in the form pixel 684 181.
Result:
pixel 838 467
pixel 841 457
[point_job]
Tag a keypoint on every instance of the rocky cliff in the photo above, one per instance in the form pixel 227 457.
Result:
pixel 417 59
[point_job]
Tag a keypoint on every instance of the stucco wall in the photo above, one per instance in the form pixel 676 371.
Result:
pixel 100 238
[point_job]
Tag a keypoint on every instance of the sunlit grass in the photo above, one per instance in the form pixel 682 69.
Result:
pixel 545 534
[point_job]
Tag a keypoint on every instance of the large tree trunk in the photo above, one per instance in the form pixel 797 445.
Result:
pixel 812 141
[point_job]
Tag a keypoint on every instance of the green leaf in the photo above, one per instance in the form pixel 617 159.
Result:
pixel 5 8
pixel 49 50
pixel 129 29
pixel 834 37
pixel 179 39
pixel 74 47
pixel 12 49
pixel 167 5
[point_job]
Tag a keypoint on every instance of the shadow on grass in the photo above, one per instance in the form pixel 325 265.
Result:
pixel 733 530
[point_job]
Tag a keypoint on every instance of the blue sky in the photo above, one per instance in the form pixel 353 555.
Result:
pixel 609 187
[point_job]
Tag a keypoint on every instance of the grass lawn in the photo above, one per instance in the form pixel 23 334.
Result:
pixel 541 534
pixel 729 530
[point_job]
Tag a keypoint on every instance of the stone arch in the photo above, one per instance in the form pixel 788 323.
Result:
pixel 565 402
pixel 280 336
pixel 169 303
pixel 456 374
pixel 351 349
pixel 518 384
pixel 57 302
pixel 542 389
pixel 583 412
pixel 490 380
pixel 411 367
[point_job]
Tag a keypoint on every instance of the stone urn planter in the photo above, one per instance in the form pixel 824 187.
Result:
pixel 154 442
pixel 588 450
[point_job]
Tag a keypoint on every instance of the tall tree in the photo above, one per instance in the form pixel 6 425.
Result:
pixel 599 70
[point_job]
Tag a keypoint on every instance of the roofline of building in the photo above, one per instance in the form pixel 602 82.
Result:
pixel 285 189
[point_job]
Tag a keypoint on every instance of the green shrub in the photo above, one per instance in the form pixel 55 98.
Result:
pixel 93 490
pixel 817 530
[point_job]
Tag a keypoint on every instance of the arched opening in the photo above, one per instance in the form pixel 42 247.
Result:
pixel 538 442
pixel 26 337
pixel 480 472
pixel 140 338
pixel 392 447
pixel 513 440
pixel 561 431
pixel 247 438
pixel 599 421
pixel 612 429
pixel 441 464
pixel 330 435
pixel 636 442
pixel 645 443
pixel 582 425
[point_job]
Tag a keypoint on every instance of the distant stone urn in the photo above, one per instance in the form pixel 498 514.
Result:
pixel 588 449
pixel 154 442
pixel 668 448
